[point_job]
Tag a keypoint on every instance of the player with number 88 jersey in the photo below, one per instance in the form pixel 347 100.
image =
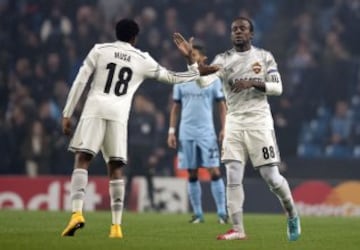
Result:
pixel 249 75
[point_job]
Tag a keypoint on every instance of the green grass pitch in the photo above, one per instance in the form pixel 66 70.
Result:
pixel 41 230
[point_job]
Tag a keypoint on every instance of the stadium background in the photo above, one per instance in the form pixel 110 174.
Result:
pixel 317 119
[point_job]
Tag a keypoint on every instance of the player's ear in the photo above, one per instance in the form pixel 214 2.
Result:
pixel 251 35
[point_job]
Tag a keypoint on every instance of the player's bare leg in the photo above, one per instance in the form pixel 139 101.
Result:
pixel 79 180
pixel 235 201
pixel 117 195
pixel 280 187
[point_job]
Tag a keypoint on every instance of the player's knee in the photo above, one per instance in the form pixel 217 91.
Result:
pixel 114 164
pixel 234 173
pixel 193 175
pixel 215 177
pixel 272 176
pixel 116 169
pixel 193 179
pixel 214 173
pixel 83 160
pixel 84 157
pixel 275 182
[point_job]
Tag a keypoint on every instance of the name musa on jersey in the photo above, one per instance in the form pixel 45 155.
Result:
pixel 118 69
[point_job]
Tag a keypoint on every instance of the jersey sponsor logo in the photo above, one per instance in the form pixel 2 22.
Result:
pixel 256 67
pixel 232 81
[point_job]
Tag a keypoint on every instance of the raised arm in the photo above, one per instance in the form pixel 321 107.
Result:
pixel 185 48
pixel 166 76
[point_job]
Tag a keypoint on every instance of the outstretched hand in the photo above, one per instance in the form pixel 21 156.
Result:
pixel 185 47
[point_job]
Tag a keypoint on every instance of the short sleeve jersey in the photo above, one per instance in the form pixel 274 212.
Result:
pixel 196 119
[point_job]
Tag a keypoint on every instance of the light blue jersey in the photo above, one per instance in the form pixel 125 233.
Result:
pixel 198 145
pixel 196 119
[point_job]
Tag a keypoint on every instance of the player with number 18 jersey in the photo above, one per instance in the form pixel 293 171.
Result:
pixel 118 69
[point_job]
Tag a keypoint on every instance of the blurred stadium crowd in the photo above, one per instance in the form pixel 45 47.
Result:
pixel 43 43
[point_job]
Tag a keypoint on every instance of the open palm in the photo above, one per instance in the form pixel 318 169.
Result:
pixel 185 47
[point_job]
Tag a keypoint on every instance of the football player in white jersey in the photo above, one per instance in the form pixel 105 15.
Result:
pixel 117 70
pixel 249 75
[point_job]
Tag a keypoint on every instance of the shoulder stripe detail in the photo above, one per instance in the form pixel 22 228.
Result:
pixel 272 71
pixel 107 46
pixel 183 73
pixel 143 57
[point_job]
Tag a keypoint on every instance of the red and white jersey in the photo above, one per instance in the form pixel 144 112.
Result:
pixel 248 109
pixel 118 69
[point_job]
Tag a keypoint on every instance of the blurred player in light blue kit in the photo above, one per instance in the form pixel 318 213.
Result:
pixel 198 144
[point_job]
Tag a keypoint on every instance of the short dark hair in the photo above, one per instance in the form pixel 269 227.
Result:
pixel 200 48
pixel 248 20
pixel 126 30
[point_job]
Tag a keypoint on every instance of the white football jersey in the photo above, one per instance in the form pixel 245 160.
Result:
pixel 118 69
pixel 248 109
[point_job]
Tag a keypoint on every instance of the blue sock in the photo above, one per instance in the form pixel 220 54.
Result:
pixel 218 192
pixel 194 191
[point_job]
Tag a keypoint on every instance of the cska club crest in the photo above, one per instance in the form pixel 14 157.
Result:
pixel 256 67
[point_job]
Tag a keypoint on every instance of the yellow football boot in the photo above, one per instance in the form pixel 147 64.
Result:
pixel 76 222
pixel 115 231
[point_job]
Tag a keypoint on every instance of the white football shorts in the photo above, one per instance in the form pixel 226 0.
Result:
pixel 259 146
pixel 94 134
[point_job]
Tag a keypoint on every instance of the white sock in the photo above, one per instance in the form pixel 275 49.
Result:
pixel 280 187
pixel 235 201
pixel 79 180
pixel 117 192
pixel 235 194
pixel 283 192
